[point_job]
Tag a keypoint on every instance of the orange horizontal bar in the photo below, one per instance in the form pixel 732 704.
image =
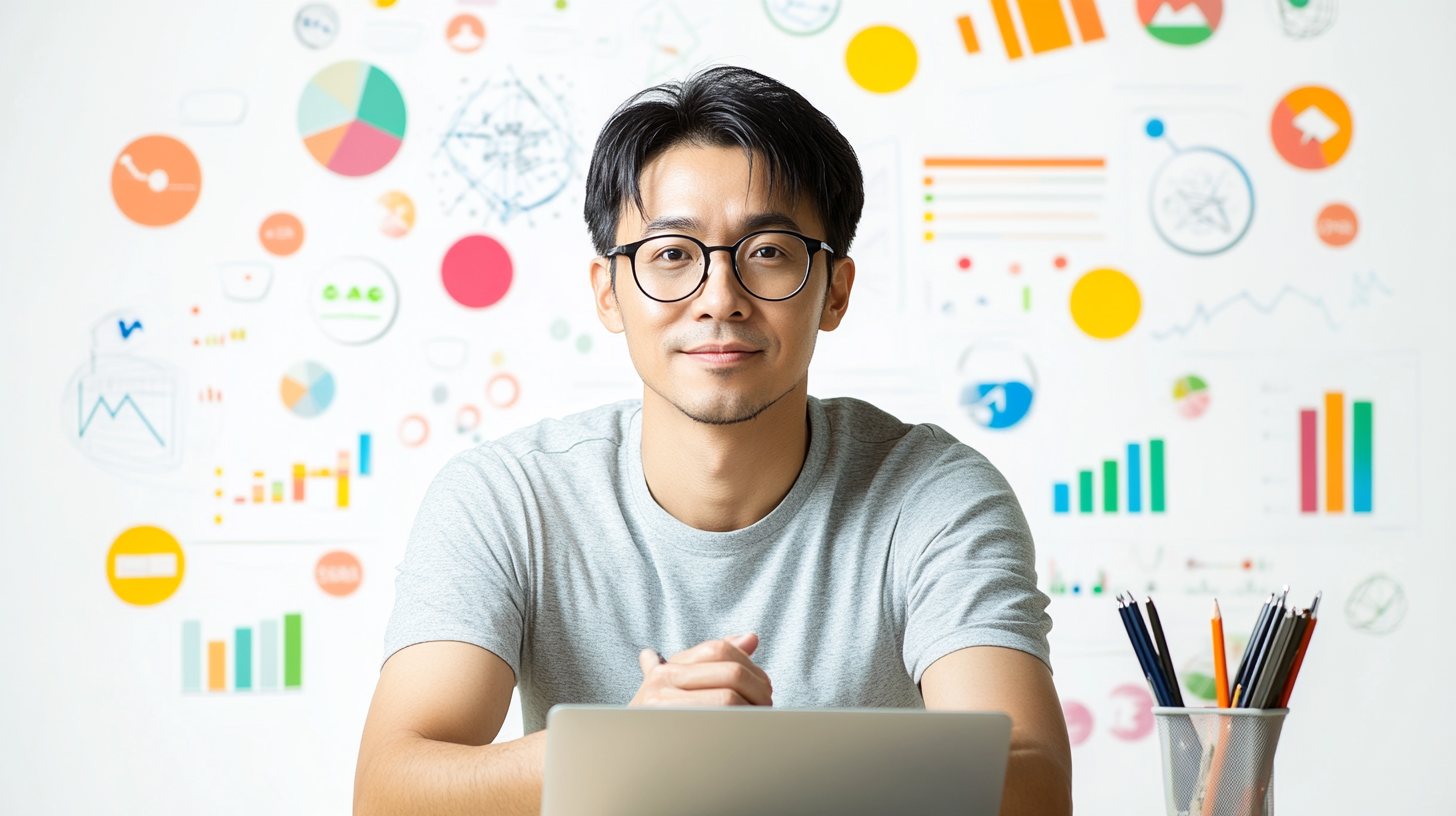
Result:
pixel 952 161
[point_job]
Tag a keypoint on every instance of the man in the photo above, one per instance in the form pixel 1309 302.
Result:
pixel 782 550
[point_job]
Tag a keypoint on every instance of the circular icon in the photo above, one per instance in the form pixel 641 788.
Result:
pixel 1106 304
pixel 1202 201
pixel 307 389
pixel 584 343
pixel 1180 22
pixel 502 391
pixel 338 573
pixel 477 271
pixel 1311 127
pixel 801 18
pixel 351 118
pixel 144 565
pixel 465 33
pixel 1337 225
pixel 881 59
pixel 1079 721
pixel 414 430
pixel 1303 19
pixel 998 385
pixel 1133 713
pixel 316 25
pixel 399 214
pixel 281 234
pixel 156 181
pixel 1377 606
pixel 1190 395
pixel 354 301
pixel 467 419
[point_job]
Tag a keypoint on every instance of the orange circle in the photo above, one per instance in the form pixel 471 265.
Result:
pixel 1337 225
pixel 338 573
pixel 496 399
pixel 414 430
pixel 465 33
pixel 155 181
pixel 281 233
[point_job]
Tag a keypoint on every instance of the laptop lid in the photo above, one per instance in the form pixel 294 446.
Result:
pixel 618 761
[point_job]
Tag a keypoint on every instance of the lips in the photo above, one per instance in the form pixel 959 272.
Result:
pixel 721 354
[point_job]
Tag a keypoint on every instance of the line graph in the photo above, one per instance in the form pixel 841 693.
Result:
pixel 125 413
pixel 1363 289
pixel 112 412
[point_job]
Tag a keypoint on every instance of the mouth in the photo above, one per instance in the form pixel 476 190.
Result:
pixel 721 354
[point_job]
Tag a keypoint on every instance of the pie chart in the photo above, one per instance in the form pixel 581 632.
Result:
pixel 1190 395
pixel 1311 127
pixel 351 118
pixel 307 389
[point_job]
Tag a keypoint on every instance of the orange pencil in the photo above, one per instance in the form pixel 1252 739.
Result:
pixel 1220 660
pixel 1299 655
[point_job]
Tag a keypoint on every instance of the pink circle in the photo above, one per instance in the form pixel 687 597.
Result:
pixel 1079 721
pixel 1132 713
pixel 477 271
pixel 964 263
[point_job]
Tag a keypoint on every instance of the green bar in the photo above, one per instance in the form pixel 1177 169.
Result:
pixel 1155 469
pixel 1084 491
pixel 1363 471
pixel 293 651
pixel 1026 298
pixel 242 658
pixel 1109 486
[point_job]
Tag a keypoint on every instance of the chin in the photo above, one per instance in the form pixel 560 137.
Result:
pixel 728 410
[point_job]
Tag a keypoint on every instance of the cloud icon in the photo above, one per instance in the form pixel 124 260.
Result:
pixel 1314 123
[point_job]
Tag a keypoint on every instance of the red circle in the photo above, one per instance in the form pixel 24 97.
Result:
pixel 477 271
pixel 1060 262
pixel 964 263
pixel 1337 225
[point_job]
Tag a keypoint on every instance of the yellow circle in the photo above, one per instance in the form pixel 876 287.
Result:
pixel 1106 303
pixel 145 565
pixel 881 59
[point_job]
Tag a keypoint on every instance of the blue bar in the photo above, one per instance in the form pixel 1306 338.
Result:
pixel 243 659
pixel 1061 498
pixel 364 454
pixel 1134 478
pixel 191 655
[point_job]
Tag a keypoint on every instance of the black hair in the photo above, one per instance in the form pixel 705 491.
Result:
pixel 727 106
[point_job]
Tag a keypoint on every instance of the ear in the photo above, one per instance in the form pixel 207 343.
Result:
pixel 836 301
pixel 608 310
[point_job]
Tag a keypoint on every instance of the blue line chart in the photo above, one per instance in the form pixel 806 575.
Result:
pixel 1365 287
pixel 84 423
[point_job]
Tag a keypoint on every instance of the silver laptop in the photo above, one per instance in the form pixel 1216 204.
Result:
pixel 617 761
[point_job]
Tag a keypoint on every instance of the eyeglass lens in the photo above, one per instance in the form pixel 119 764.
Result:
pixel 771 265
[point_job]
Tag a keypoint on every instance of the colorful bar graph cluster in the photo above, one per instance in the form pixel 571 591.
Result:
pixel 1113 483
pixel 245 648
pixel 262 491
pixel 1361 452
pixel 1044 21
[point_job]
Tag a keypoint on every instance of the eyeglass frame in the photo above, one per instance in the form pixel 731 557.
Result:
pixel 814 245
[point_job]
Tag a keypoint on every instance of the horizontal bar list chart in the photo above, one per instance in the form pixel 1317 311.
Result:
pixel 1117 477
pixel 255 661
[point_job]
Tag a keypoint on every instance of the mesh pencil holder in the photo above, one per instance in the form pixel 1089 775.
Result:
pixel 1219 761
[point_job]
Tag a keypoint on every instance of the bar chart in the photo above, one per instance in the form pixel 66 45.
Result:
pixel 264 487
pixel 1123 487
pixel 1357 446
pixel 979 198
pixel 257 663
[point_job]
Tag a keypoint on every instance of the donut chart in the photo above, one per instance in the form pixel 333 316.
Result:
pixel 352 118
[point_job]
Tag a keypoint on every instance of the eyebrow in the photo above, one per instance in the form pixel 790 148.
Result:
pixel 759 221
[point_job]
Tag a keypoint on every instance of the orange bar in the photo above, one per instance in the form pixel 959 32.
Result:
pixel 1334 452
pixel 954 161
pixel 968 34
pixel 1089 23
pixel 1045 24
pixel 1008 29
pixel 257 494
pixel 217 665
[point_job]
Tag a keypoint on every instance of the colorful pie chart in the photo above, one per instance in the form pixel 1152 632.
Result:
pixel 1311 127
pixel 352 118
pixel 307 389
pixel 1190 395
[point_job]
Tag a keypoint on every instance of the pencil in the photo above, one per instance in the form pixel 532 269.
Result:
pixel 1144 659
pixel 1278 647
pixel 1261 654
pixel 1220 659
pixel 1164 658
pixel 1253 641
pixel 1299 655
pixel 1165 697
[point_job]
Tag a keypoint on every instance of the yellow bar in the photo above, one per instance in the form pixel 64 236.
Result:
pixel 1334 452
pixel 1008 28
pixel 1089 22
pixel 1045 24
pixel 217 665
pixel 968 34
pixel 343 478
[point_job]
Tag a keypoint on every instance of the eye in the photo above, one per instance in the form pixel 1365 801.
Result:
pixel 767 252
pixel 674 254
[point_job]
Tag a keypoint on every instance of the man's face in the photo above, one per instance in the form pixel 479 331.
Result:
pixel 720 355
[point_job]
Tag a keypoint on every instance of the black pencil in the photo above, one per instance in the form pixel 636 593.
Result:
pixel 1164 658
pixel 1253 640
pixel 1261 654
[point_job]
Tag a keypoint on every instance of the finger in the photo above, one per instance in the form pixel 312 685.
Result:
pixel 675 697
pixel 718 651
pixel 646 659
pixel 752 686
pixel 745 643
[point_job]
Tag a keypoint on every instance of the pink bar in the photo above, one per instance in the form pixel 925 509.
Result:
pixel 1308 466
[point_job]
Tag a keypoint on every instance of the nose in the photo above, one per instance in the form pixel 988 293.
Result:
pixel 722 296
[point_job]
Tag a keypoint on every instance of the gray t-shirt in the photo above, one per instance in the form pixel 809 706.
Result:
pixel 896 546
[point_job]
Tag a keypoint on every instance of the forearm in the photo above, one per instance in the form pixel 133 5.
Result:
pixel 414 775
pixel 1036 785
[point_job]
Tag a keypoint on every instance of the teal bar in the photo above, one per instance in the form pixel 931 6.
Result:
pixel 1109 486
pixel 1084 491
pixel 1363 460
pixel 268 655
pixel 191 655
pixel 293 651
pixel 1155 471
pixel 242 659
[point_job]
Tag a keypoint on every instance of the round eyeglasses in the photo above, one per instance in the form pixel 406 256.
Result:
pixel 771 265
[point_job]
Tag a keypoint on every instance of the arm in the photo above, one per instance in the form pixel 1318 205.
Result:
pixel 991 678
pixel 426 746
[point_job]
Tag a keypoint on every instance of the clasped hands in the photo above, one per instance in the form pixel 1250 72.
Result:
pixel 713 673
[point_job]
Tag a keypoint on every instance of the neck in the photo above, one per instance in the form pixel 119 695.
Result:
pixel 723 477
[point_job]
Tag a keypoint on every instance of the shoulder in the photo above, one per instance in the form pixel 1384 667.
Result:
pixel 860 431
pixel 571 441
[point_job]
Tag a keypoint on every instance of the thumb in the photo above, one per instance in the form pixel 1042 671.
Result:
pixel 646 659
pixel 747 643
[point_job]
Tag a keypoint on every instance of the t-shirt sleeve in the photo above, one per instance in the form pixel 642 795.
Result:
pixel 463 576
pixel 969 564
